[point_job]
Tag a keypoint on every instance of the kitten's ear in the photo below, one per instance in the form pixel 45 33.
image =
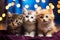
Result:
pixel 50 10
pixel 25 11
pixel 9 14
pixel 38 10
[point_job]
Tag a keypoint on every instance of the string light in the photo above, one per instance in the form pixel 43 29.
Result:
pixel 37 1
pixel 12 4
pixel 18 5
pixel 58 2
pixel 47 7
pixel 7 7
pixel 58 11
pixel 36 6
pixel 39 8
pixel 9 4
pixel 43 1
pixel 51 5
pixel 26 6
pixel 13 0
pixel 1 19
pixel 24 0
pixel 3 15
pixel 58 6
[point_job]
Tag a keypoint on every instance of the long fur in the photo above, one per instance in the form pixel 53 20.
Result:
pixel 45 20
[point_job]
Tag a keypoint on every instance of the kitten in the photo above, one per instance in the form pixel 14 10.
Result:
pixel 45 22
pixel 29 22
pixel 15 22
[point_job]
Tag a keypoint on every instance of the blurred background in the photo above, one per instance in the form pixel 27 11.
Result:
pixel 16 6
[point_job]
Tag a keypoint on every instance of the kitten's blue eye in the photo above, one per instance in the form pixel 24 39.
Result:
pixel 27 16
pixel 46 16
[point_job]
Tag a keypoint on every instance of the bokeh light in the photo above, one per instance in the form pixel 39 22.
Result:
pixel 3 15
pixel 26 6
pixel 18 5
pixel 12 4
pixel 37 1
pixel 58 11
pixel 43 1
pixel 1 18
pixel 7 7
pixel 58 2
pixel 13 0
pixel 9 4
pixel 47 7
pixel 51 5
pixel 58 6
pixel 36 6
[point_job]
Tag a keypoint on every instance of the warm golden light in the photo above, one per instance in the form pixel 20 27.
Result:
pixel 58 6
pixel 58 11
pixel 39 8
pixel 7 7
pixel 58 2
pixel 51 5
pixel 0 18
pixel 3 15
pixel 12 4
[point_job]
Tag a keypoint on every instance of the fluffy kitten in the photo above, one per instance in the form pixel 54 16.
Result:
pixel 29 22
pixel 45 22
pixel 14 23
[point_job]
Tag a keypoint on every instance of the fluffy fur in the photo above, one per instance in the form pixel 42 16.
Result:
pixel 45 22
pixel 29 22
pixel 14 23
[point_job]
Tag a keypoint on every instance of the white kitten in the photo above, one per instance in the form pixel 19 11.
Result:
pixel 29 22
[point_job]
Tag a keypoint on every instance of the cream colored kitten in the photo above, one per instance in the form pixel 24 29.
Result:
pixel 45 20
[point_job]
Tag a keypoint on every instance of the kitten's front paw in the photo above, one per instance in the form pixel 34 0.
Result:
pixel 31 35
pixel 40 35
pixel 26 35
pixel 49 35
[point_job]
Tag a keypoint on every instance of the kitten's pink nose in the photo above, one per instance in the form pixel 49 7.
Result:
pixel 28 20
